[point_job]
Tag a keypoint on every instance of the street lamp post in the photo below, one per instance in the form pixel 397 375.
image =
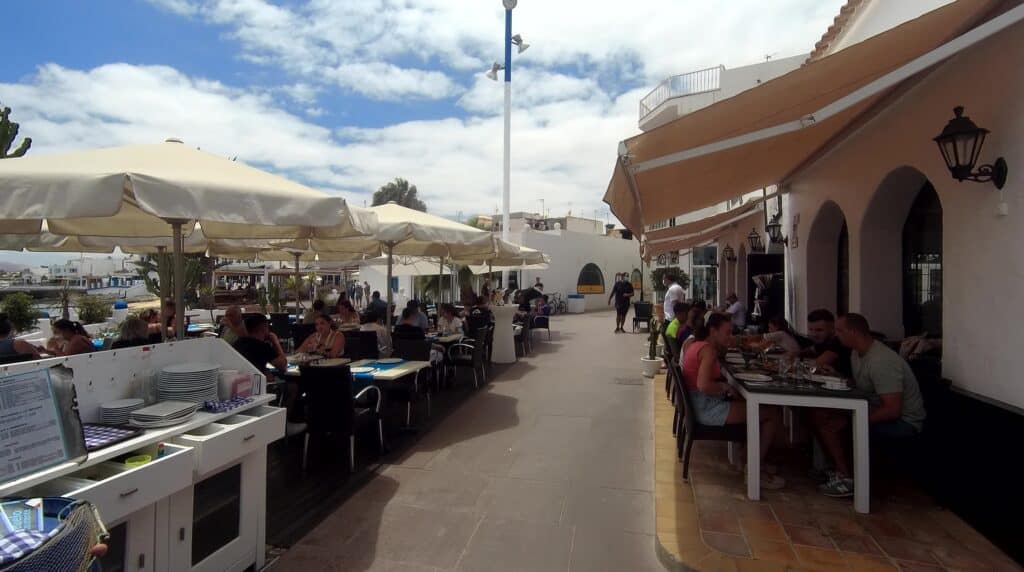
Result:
pixel 507 174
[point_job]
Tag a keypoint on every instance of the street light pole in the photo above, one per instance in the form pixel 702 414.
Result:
pixel 507 174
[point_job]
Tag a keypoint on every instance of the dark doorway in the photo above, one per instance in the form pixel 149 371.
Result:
pixel 843 271
pixel 922 265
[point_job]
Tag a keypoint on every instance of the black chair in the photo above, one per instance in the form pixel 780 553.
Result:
pixel 471 355
pixel 522 339
pixel 333 410
pixel 405 390
pixel 671 355
pixel 642 314
pixel 300 332
pixel 354 345
pixel 694 431
pixel 368 345
pixel 542 323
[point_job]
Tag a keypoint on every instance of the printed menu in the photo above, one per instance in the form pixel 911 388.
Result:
pixel 31 437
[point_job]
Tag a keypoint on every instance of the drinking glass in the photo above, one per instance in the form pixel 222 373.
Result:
pixel 785 364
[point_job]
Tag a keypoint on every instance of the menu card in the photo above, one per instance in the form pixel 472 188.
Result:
pixel 31 437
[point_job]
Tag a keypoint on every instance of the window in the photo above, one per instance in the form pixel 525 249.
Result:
pixel 922 265
pixel 591 280
pixel 704 283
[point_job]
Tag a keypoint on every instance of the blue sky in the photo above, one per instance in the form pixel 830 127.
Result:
pixel 346 95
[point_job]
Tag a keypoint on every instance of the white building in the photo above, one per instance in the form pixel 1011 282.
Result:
pixel 95 272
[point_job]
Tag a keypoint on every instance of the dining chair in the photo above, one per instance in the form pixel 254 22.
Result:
pixel 405 390
pixel 335 410
pixel 694 431
pixel 469 355
pixel 642 314
pixel 542 323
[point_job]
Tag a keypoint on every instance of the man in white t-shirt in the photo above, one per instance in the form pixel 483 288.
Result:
pixel 737 310
pixel 673 294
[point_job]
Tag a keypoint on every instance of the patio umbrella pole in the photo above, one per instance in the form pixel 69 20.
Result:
pixel 391 248
pixel 163 276
pixel 440 281
pixel 179 281
pixel 298 286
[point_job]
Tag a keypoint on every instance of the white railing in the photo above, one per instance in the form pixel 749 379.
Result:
pixel 700 81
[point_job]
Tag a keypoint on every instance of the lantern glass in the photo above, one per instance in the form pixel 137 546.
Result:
pixel 775 232
pixel 755 241
pixel 960 144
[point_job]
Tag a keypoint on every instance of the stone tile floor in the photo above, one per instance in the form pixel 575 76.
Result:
pixel 549 467
pixel 708 524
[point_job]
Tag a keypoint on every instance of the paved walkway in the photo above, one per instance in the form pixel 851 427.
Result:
pixel 547 468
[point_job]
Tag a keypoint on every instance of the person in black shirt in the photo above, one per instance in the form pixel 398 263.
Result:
pixel 260 346
pixel 621 292
pixel 409 328
pixel 379 307
pixel 526 297
pixel 826 349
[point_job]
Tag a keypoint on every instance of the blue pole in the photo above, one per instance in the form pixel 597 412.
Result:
pixel 508 45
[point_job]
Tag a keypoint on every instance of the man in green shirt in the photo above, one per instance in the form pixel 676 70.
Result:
pixel 681 310
pixel 898 411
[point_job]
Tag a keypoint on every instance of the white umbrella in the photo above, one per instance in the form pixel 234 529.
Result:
pixel 405 231
pixel 159 191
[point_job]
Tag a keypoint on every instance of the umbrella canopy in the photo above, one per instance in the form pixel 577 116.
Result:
pixel 132 191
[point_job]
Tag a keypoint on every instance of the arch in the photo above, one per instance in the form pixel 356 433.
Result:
pixel 880 276
pixel 824 258
pixel 591 280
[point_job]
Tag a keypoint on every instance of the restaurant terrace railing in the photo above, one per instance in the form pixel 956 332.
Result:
pixel 700 81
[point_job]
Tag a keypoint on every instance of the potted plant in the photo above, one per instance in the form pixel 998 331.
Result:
pixel 651 364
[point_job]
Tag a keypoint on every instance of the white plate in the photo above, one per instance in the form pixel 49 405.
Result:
pixel 363 369
pixel 390 360
pixel 838 388
pixel 753 377
pixel 190 368
pixel 735 360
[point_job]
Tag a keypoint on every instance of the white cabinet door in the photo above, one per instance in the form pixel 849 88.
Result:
pixel 131 544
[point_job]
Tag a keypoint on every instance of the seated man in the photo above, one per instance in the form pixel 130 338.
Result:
pixel 233 327
pixel 379 307
pixel 677 325
pixel 409 328
pixel 260 346
pixel 897 412
pixel 421 319
pixel 826 350
pixel 714 400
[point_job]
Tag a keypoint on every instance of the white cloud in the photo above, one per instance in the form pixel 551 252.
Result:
pixel 644 42
pixel 388 82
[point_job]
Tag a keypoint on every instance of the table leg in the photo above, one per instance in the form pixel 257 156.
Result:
pixel 861 461
pixel 753 450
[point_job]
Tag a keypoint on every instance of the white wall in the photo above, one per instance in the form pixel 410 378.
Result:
pixel 570 251
pixel 867 177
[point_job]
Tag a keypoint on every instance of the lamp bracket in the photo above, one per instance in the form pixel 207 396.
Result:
pixel 996 173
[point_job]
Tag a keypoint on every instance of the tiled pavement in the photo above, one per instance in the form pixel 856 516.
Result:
pixel 550 467
pixel 709 525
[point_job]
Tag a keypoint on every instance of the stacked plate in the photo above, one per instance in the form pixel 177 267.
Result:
pixel 195 382
pixel 163 414
pixel 117 412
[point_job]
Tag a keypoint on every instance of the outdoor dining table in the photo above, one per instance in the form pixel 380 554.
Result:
pixel 391 372
pixel 786 391
pixel 444 339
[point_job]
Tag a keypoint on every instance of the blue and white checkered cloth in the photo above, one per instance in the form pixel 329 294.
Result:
pixel 223 406
pixel 21 542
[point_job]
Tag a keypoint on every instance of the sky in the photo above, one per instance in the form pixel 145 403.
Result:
pixel 346 95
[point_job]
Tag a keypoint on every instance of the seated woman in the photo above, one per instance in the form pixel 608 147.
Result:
pixel 449 322
pixel 694 323
pixel 325 341
pixel 134 332
pixel 167 318
pixel 349 317
pixel 779 334
pixel 10 347
pixel 69 338
pixel 714 401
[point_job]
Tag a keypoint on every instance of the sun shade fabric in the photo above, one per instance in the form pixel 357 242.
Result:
pixel 412 233
pixel 46 242
pixel 506 254
pixel 405 266
pixel 674 243
pixel 128 191
pixel 712 176
pixel 704 224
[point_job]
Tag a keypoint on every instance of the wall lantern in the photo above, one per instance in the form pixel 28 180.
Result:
pixel 960 143
pixel 774 229
pixel 729 253
pixel 754 238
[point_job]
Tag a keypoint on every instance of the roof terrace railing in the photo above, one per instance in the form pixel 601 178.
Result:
pixel 700 81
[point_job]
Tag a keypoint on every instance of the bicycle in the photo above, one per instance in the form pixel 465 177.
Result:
pixel 558 305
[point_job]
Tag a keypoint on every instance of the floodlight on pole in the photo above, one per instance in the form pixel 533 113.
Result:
pixel 517 40
pixel 492 74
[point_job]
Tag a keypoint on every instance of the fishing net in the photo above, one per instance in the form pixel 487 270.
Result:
pixel 73 528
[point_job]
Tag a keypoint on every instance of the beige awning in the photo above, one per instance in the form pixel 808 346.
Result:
pixel 759 137
pixel 674 243
pixel 705 224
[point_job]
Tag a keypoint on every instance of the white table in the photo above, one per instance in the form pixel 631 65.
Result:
pixel 504 334
pixel 857 404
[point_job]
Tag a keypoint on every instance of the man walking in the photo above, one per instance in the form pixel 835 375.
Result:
pixel 621 293
pixel 673 293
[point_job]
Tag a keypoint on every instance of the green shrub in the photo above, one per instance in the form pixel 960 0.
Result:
pixel 93 309
pixel 19 310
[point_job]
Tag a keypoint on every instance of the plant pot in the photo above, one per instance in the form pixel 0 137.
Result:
pixel 650 367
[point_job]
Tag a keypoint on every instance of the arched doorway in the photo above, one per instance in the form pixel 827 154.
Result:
pixel 741 280
pixel 590 280
pixel 828 260
pixel 922 264
pixel 900 265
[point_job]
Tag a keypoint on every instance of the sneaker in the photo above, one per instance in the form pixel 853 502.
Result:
pixel 840 486
pixel 821 476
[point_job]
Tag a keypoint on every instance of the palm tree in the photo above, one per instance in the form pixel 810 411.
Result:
pixel 401 192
